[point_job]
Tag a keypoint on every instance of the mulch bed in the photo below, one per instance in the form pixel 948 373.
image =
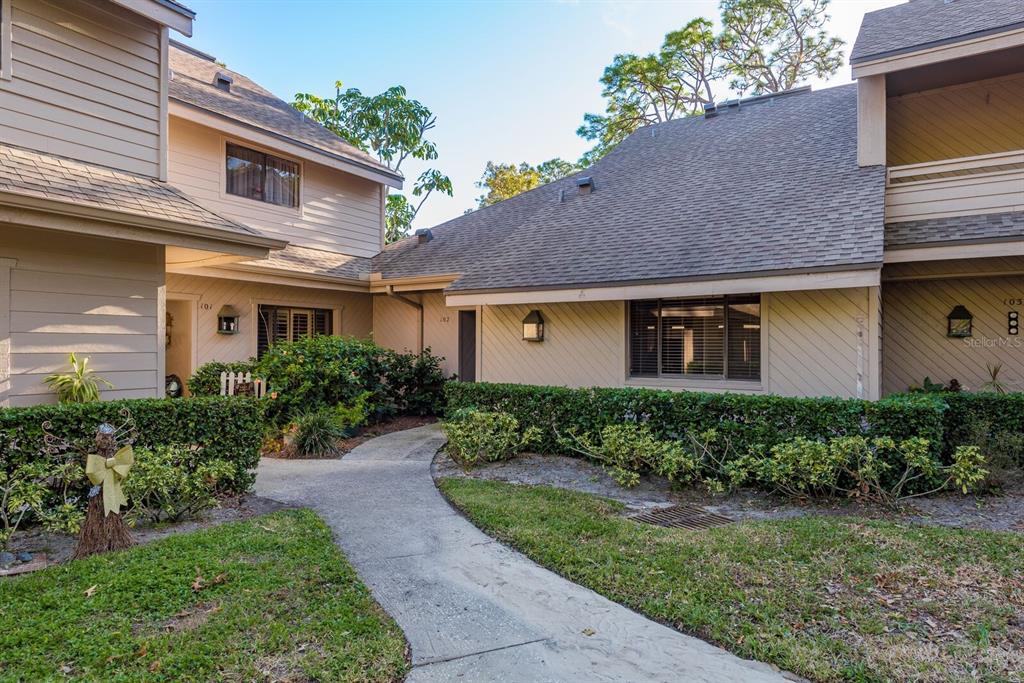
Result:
pixel 58 547
pixel 395 424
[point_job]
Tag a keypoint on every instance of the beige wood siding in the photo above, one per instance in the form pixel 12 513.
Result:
pixel 817 342
pixel 584 345
pixel 352 311
pixel 339 212
pixel 959 121
pixel 396 326
pixel 85 84
pixel 915 344
pixel 96 298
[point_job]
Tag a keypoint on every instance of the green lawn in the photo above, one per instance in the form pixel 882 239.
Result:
pixel 271 598
pixel 830 598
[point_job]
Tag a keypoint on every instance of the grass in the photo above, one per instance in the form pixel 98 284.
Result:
pixel 271 598
pixel 829 598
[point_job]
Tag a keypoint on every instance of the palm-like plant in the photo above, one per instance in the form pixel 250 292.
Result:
pixel 81 385
pixel 994 383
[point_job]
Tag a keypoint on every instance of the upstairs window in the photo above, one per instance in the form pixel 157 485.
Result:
pixel 281 323
pixel 263 177
pixel 715 338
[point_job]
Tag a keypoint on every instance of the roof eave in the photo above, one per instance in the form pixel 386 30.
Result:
pixel 16 200
pixel 370 171
pixel 163 12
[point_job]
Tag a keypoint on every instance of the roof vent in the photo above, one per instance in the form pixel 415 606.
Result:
pixel 223 81
pixel 423 236
pixel 710 110
pixel 585 184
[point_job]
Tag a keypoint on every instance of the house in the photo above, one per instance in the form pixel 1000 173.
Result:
pixel 159 210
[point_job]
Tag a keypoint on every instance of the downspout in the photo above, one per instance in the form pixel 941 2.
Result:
pixel 415 304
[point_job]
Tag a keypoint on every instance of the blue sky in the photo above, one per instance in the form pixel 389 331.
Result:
pixel 509 81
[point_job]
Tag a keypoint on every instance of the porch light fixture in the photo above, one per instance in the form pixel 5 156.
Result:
pixel 227 320
pixel 533 327
pixel 959 322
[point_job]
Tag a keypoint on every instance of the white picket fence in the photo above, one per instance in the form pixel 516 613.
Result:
pixel 229 382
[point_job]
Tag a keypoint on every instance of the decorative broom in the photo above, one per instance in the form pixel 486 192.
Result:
pixel 104 529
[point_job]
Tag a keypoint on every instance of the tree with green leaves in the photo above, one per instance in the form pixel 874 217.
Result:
pixel 772 45
pixel 392 127
pixel 503 181
pixel 765 46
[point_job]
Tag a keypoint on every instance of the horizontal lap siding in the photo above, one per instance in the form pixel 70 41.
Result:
pixel 86 84
pixel 813 341
pixel 352 311
pixel 915 344
pixel 584 345
pixel 92 297
pixel 958 121
pixel 339 212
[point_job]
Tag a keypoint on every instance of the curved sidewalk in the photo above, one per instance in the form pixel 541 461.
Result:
pixel 472 609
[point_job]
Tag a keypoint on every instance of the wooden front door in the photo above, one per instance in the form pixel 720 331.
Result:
pixel 467 346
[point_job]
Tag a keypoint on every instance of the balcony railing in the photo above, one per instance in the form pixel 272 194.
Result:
pixel 991 183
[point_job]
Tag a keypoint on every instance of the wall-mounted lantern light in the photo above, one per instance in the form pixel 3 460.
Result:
pixel 959 322
pixel 227 320
pixel 533 327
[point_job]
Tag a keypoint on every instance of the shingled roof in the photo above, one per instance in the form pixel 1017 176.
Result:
pixel 316 262
pixel 767 187
pixel 253 105
pixel 919 24
pixel 955 230
pixel 30 174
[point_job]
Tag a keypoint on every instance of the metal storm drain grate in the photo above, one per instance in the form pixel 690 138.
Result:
pixel 681 517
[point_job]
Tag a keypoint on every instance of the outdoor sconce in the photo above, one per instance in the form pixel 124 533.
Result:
pixel 227 320
pixel 533 327
pixel 959 322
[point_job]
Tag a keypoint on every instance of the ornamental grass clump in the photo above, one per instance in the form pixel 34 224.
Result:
pixel 476 436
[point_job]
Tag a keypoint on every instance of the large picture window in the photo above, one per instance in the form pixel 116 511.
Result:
pixel 717 337
pixel 280 323
pixel 263 177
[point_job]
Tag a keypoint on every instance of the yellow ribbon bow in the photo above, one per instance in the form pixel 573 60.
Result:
pixel 109 473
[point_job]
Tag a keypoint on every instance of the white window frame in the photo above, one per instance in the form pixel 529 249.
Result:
pixel 6 57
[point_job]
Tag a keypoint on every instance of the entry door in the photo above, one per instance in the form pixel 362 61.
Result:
pixel 467 346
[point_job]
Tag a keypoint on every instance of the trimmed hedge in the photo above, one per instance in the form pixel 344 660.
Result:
pixel 1001 413
pixel 749 421
pixel 221 428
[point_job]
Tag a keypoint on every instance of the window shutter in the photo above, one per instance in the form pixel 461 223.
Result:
pixel 322 321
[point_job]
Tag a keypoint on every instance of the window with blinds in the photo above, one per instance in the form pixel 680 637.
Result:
pixel 263 177
pixel 279 323
pixel 716 337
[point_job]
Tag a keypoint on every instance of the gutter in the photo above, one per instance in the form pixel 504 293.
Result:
pixel 415 304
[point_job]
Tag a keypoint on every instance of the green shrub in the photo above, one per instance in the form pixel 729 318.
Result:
pixel 352 416
pixel 221 428
pixel 745 422
pixel 169 483
pixel 475 436
pixel 316 434
pixel 881 470
pixel 628 450
pixel 325 371
pixel 205 381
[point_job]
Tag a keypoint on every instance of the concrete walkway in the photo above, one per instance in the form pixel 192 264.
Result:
pixel 472 609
